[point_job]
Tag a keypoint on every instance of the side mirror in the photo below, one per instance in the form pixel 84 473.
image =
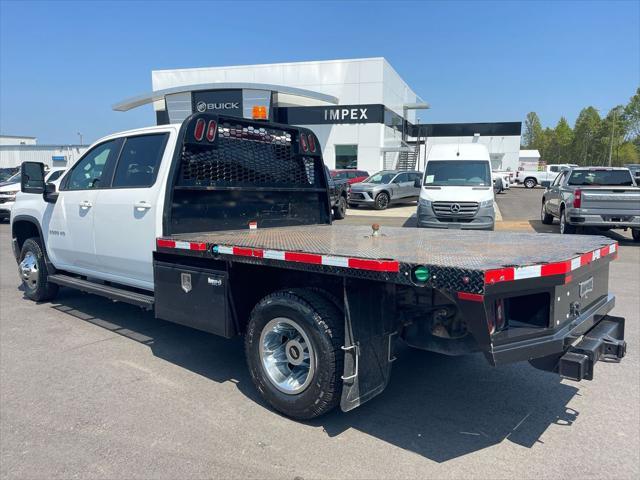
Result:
pixel 32 177
pixel 50 194
pixel 417 183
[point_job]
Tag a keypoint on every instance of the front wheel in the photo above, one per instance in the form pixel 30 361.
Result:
pixel 382 201
pixel 565 227
pixel 546 218
pixel 293 352
pixel 635 233
pixel 33 272
pixel 340 210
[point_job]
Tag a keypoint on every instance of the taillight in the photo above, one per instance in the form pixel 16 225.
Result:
pixel 211 130
pixel 577 198
pixel 303 142
pixel 312 143
pixel 198 132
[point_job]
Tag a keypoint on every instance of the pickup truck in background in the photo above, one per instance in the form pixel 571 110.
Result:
pixel 531 178
pixel 601 197
pixel 224 224
pixel 338 195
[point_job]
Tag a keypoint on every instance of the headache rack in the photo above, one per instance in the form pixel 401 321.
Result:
pixel 229 172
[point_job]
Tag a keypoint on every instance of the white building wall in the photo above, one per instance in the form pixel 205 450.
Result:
pixel 357 81
pixel 17 140
pixel 13 155
pixel 504 150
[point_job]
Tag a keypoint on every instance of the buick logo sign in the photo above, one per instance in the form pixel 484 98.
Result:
pixel 455 208
pixel 201 107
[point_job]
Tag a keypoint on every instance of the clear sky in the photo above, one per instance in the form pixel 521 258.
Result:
pixel 63 64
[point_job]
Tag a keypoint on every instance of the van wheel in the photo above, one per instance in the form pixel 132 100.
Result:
pixel 382 201
pixel 565 227
pixel 293 352
pixel 545 217
pixel 33 272
pixel 530 182
pixel 340 210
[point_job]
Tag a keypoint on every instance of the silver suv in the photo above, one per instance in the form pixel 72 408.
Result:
pixel 386 187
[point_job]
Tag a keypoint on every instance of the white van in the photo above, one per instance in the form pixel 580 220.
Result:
pixel 457 189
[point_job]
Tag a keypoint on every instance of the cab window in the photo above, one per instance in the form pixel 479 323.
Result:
pixel 88 172
pixel 139 161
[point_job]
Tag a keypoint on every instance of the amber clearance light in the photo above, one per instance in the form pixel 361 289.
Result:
pixel 259 112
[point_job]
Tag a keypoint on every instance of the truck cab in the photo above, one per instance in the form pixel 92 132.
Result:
pixel 457 189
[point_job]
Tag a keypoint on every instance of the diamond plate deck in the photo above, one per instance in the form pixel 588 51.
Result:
pixel 470 250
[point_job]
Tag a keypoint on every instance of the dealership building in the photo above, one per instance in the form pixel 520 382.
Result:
pixel 362 111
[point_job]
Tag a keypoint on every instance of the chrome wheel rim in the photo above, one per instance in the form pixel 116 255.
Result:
pixel 287 355
pixel 382 200
pixel 542 212
pixel 28 270
pixel 562 222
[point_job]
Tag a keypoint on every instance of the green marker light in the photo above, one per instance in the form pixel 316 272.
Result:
pixel 421 274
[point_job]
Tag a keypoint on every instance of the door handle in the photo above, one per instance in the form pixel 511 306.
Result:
pixel 85 204
pixel 142 205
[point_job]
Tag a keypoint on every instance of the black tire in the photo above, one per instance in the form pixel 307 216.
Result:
pixel 530 182
pixel 635 233
pixel 323 324
pixel 565 228
pixel 34 275
pixel 340 210
pixel 545 217
pixel 382 201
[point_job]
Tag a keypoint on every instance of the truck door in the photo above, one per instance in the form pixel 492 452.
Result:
pixel 69 232
pixel 128 214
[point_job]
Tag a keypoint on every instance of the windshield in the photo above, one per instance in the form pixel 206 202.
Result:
pixel 381 177
pixel 461 173
pixel 13 179
pixel 619 178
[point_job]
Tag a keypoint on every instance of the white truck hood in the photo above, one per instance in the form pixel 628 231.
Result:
pixel 12 187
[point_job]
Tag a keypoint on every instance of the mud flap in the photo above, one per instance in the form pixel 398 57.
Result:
pixel 369 340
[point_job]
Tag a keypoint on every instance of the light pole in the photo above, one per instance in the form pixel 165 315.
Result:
pixel 613 127
pixel 80 135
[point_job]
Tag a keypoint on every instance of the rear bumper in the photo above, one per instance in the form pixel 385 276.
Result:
pixel 573 349
pixel 589 218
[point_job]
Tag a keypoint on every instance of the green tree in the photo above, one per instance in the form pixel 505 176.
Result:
pixel 611 134
pixel 563 138
pixel 631 117
pixel 532 136
pixel 585 134
pixel 627 152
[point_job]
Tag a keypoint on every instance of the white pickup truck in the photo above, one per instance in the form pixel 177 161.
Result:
pixel 224 225
pixel 531 178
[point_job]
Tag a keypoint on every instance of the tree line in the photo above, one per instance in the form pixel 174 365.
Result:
pixel 592 139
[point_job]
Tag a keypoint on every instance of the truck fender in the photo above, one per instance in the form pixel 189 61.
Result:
pixel 24 227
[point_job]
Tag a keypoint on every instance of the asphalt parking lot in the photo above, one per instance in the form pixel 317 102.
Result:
pixel 94 389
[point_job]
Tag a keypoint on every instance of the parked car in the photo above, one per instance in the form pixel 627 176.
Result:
pixel 531 178
pixel 338 194
pixel 501 181
pixel 457 190
pixel 601 197
pixel 6 173
pixel 386 187
pixel 10 188
pixel 351 176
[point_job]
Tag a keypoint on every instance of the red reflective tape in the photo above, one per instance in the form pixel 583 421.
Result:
pixel 558 268
pixel 502 275
pixel 568 279
pixel 198 246
pixel 303 257
pixel 244 252
pixel 258 253
pixel 586 259
pixel 471 297
pixel 162 243
pixel 604 251
pixel 375 265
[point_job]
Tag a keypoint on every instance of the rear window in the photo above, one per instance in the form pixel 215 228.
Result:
pixel 139 161
pixel 601 177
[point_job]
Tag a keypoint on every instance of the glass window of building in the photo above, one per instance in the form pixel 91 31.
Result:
pixel 346 156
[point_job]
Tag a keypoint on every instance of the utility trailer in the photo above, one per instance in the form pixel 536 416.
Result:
pixel 246 247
